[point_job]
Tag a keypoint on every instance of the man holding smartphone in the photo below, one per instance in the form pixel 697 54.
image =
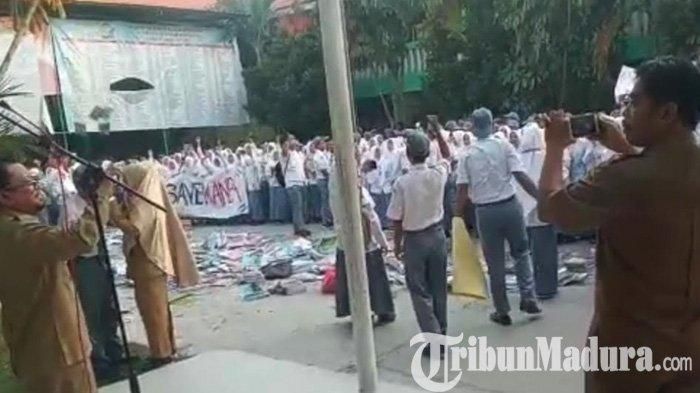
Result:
pixel 646 209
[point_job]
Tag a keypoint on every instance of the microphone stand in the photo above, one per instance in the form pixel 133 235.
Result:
pixel 42 136
pixel 134 386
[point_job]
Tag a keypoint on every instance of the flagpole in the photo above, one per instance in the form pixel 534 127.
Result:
pixel 338 83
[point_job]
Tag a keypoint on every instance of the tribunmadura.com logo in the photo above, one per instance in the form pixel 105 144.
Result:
pixel 546 355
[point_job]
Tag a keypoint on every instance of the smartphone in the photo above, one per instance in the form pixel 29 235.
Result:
pixel 584 125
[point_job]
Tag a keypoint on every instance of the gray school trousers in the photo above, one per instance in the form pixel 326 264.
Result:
pixel 497 223
pixel 425 257
pixel 296 202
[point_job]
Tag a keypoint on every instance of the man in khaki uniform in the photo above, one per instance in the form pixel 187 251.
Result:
pixel 156 249
pixel 646 207
pixel 43 323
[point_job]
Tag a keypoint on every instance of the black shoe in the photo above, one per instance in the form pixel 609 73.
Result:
pixel 501 319
pixel 385 319
pixel 530 307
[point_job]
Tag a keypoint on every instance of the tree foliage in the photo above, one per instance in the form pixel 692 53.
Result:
pixel 678 28
pixel 522 55
pixel 287 90
pixel 527 55
pixel 252 30
pixel 379 34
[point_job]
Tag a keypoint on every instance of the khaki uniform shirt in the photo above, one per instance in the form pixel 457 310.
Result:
pixel 43 323
pixel 647 212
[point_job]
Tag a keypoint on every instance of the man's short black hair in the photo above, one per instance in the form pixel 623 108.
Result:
pixel 5 173
pixel 670 79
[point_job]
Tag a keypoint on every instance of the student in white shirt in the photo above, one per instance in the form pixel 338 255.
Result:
pixel 279 202
pixel 295 180
pixel 374 182
pixel 390 168
pixel 542 236
pixel 416 208
pixel 380 296
pixel 322 160
pixel 253 179
pixel 313 193
pixel 484 176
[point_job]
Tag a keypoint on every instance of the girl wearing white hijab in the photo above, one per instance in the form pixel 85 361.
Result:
pixel 543 237
pixel 375 182
pixel 194 167
pixel 252 178
pixel 280 211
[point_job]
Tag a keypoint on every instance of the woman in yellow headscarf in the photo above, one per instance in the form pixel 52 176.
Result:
pixel 156 248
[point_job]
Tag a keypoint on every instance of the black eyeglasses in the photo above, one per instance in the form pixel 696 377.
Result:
pixel 26 183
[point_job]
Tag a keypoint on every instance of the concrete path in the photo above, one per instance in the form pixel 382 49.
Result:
pixel 236 371
pixel 301 329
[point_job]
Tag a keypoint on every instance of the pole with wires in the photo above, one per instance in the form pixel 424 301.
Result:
pixel 335 57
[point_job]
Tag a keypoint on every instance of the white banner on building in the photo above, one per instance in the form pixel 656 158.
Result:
pixel 217 196
pixel 121 76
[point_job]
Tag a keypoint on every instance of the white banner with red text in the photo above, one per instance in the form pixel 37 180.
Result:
pixel 216 196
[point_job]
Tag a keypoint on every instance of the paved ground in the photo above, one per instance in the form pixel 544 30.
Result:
pixel 236 371
pixel 302 329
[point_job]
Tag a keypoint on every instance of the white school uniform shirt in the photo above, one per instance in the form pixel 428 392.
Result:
pixel 311 172
pixel 374 181
pixel 435 154
pixel 322 160
pixel 532 149
pixel 417 199
pixel 293 169
pixel 363 145
pixel 390 168
pixel 335 199
pixel 487 167
pixel 270 174
pixel 250 171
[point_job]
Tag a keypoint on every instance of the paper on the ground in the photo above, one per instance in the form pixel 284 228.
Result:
pixel 469 280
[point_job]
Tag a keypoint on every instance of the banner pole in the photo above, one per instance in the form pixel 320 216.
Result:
pixel 165 142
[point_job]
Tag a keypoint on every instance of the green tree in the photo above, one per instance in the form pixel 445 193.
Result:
pixel 526 55
pixel 379 34
pixel 252 30
pixel 676 24
pixel 464 59
pixel 287 90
